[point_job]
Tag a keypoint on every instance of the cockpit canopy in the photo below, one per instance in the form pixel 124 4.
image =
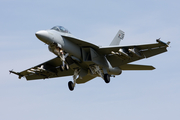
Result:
pixel 60 29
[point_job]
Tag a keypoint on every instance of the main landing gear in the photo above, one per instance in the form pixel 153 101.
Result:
pixel 71 84
pixel 107 78
pixel 95 69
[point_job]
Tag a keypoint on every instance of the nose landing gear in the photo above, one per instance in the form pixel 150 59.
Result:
pixel 64 67
pixel 57 50
pixel 63 59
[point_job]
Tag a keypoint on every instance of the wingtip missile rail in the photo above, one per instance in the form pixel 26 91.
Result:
pixel 161 42
pixel 16 73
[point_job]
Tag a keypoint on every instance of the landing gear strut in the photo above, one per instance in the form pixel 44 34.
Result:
pixel 62 58
pixel 95 69
pixel 57 50
pixel 71 84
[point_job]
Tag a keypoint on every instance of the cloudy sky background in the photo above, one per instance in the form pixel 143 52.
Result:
pixel 137 95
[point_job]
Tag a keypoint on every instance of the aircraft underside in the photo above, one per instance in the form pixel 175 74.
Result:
pixel 85 61
pixel 90 64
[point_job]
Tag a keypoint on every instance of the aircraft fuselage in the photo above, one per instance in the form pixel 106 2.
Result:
pixel 55 40
pixel 51 37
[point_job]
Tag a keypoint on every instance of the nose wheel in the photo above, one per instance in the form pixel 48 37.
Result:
pixel 64 67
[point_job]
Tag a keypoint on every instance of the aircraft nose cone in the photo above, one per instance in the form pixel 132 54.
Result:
pixel 42 35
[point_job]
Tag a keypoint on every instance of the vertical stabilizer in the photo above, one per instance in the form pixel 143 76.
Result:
pixel 119 36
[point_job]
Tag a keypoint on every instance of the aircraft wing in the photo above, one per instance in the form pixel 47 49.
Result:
pixel 49 69
pixel 121 55
pixel 133 52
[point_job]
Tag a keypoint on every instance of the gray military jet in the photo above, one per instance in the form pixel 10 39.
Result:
pixel 85 60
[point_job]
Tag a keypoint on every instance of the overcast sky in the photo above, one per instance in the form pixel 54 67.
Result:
pixel 134 95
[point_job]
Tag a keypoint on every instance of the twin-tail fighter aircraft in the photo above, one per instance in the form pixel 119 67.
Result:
pixel 85 61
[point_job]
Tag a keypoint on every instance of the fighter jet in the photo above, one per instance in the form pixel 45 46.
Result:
pixel 85 61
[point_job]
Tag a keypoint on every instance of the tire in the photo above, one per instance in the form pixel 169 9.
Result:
pixel 61 68
pixel 66 67
pixel 107 78
pixel 70 85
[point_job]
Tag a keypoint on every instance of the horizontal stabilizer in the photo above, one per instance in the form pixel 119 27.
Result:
pixel 136 67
